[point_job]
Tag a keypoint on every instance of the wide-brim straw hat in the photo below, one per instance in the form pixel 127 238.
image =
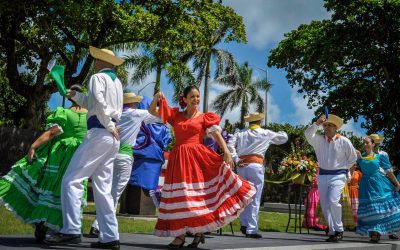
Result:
pixel 377 138
pixel 335 120
pixel 105 55
pixel 252 117
pixel 131 98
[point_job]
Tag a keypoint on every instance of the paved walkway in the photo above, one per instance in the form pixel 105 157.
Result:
pixel 270 241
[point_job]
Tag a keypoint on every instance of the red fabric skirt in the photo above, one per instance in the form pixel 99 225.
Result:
pixel 200 193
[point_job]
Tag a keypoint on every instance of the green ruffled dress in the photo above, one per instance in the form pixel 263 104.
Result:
pixel 33 191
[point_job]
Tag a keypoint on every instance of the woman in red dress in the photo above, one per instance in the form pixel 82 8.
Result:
pixel 201 193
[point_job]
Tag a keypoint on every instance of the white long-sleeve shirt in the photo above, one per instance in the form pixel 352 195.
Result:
pixel 130 123
pixel 254 141
pixel 104 99
pixel 338 154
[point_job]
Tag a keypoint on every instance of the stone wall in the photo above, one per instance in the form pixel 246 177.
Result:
pixel 14 144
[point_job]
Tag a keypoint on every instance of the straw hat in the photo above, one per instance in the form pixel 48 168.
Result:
pixel 132 97
pixel 105 55
pixel 335 120
pixel 377 138
pixel 254 117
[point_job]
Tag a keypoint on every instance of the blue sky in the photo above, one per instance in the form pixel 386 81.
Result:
pixel 266 22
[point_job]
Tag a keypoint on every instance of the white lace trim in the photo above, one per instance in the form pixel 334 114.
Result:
pixel 50 125
pixel 213 128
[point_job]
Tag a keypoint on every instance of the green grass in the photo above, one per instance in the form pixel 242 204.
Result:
pixel 270 222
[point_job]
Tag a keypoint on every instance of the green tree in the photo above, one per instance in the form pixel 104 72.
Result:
pixel 34 32
pixel 351 63
pixel 202 59
pixel 243 91
pixel 10 101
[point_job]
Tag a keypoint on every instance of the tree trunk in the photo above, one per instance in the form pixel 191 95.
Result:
pixel 158 78
pixel 34 112
pixel 243 111
pixel 206 78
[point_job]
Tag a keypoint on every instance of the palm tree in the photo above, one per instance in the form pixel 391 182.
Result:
pixel 150 59
pixel 202 61
pixel 242 92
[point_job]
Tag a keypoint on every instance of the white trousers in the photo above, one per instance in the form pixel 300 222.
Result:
pixel 121 175
pixel 254 173
pixel 330 188
pixel 94 158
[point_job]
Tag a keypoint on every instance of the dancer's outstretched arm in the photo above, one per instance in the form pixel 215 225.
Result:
pixel 43 139
pixel 153 104
pixel 222 144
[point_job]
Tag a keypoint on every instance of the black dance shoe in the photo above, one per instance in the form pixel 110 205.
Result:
pixel 196 240
pixel 63 239
pixel 254 236
pixel 108 245
pixel 40 232
pixel 243 229
pixel 94 233
pixel 173 246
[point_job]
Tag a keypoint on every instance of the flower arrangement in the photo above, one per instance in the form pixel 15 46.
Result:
pixel 297 166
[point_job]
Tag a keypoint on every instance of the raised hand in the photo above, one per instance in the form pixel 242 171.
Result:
pixel 159 95
pixel 70 93
pixel 320 120
pixel 228 158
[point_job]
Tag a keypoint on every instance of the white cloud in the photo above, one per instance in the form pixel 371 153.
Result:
pixel 273 112
pixel 351 126
pixel 303 115
pixel 267 20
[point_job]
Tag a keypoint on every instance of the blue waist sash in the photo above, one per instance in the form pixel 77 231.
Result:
pixel 93 122
pixel 332 172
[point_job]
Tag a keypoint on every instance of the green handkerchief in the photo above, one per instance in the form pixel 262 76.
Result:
pixel 57 73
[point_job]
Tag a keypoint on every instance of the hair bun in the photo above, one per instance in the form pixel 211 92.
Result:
pixel 182 103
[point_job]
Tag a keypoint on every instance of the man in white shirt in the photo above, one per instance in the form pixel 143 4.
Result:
pixel 248 148
pixel 129 127
pixel 95 156
pixel 335 155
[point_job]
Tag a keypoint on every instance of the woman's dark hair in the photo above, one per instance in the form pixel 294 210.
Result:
pixel 77 88
pixel 188 89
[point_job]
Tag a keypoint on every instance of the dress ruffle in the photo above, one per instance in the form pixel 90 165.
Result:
pixel 200 192
pixel 32 191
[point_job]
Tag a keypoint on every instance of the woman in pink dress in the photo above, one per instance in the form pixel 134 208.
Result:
pixel 311 213
pixel 201 193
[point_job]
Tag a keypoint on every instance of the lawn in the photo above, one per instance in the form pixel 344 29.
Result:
pixel 268 221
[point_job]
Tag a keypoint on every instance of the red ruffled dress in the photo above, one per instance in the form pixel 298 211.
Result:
pixel 200 193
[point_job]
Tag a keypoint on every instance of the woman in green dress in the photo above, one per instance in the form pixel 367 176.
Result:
pixel 31 190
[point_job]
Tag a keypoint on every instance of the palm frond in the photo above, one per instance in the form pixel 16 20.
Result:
pixel 262 84
pixel 144 64
pixel 199 66
pixel 223 101
pixel 180 76
pixel 225 62
pixel 125 46
pixel 252 91
pixel 260 104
